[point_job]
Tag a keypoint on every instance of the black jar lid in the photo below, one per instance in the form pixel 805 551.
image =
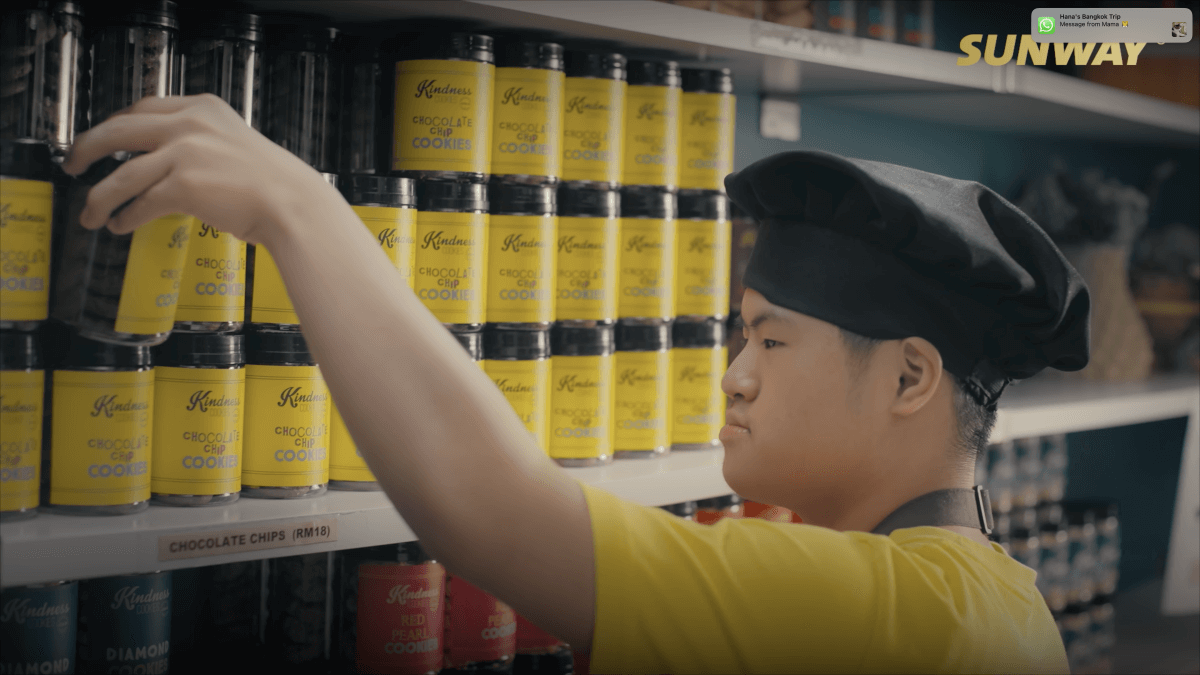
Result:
pixel 653 336
pixel 585 202
pixel 282 348
pixel 299 33
pixel 647 202
pixel 1052 527
pixel 161 13
pixel 472 342
pixel 708 80
pixel 610 66
pixel 202 350
pixel 26 159
pixel 503 344
pixel 706 333
pixel 225 25
pixel 654 73
pixel 19 351
pixel 518 199
pixel 581 341
pixel 444 195
pixel 366 189
pixel 703 205
pixel 716 503
pixel 85 354
pixel 532 54
pixel 437 45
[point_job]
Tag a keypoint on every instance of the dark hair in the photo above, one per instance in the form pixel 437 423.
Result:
pixel 974 421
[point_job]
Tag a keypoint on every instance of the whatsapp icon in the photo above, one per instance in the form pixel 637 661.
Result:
pixel 1046 25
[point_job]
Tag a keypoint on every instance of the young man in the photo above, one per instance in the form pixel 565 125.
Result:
pixel 888 309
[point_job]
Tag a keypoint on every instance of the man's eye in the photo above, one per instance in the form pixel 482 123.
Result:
pixel 767 344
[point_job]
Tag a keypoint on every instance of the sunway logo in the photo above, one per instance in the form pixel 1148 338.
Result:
pixel 1109 52
pixel 204 400
pixel 128 597
pixel 427 89
pixel 292 396
pixel 400 595
pixel 20 609
pixel 107 405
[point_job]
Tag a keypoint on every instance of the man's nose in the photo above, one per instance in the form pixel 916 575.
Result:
pixel 739 380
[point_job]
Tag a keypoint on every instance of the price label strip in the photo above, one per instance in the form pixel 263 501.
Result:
pixel 256 538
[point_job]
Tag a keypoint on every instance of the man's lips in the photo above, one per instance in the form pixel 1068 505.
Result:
pixel 734 427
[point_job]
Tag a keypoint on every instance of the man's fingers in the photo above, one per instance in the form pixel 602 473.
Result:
pixel 158 105
pixel 154 203
pixel 134 133
pixel 130 180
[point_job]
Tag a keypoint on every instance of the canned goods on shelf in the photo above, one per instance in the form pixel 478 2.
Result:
pixel 589 232
pixel 594 119
pixel 451 252
pixel 518 362
pixel 102 398
pixel 286 446
pixel 521 256
pixel 698 358
pixel 199 393
pixel 647 253
pixel 27 199
pixel 706 126
pixel 652 109
pixel 527 116
pixel 22 386
pixel 581 394
pixel 642 380
pixel 39 633
pixel 125 621
pixel 703 254
pixel 301 82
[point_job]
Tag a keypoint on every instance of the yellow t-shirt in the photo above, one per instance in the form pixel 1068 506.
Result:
pixel 751 596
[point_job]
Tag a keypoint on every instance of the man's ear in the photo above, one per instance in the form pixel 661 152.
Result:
pixel 919 372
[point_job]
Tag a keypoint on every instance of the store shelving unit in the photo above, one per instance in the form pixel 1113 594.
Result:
pixel 766 58
pixel 846 71
pixel 53 546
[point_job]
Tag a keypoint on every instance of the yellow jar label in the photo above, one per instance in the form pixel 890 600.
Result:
pixel 651 136
pixel 451 261
pixel 581 406
pixel 702 267
pixel 214 277
pixel 270 302
pixel 642 415
pixel 345 460
pixel 706 140
pixel 593 129
pixel 587 268
pixel 520 267
pixel 287 427
pixel 697 402
pixel 526 385
pixel 21 394
pixel 527 127
pixel 647 260
pixel 395 229
pixel 26 215
pixel 101 427
pixel 443 116
pixel 197 447
pixel 153 275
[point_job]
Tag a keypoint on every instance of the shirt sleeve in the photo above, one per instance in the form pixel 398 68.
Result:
pixel 742 595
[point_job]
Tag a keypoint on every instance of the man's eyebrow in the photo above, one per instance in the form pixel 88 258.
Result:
pixel 769 315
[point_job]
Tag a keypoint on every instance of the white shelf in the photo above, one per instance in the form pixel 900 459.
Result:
pixel 851 72
pixel 54 547
pixel 1052 406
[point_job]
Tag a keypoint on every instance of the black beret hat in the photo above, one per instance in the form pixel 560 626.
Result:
pixel 890 252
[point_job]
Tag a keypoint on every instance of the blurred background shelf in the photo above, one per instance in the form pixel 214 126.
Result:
pixel 1041 407
pixel 844 71
pixel 52 547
